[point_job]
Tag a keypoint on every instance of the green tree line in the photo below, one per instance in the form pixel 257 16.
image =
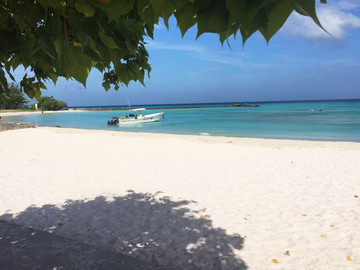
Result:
pixel 17 100
pixel 50 104
pixel 14 100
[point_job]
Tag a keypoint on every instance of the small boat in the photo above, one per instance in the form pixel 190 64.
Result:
pixel 136 117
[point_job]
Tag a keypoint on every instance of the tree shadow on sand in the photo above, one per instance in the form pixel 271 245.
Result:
pixel 145 226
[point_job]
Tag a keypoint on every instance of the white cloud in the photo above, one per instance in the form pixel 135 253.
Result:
pixel 198 52
pixel 347 4
pixel 154 45
pixel 202 53
pixel 337 19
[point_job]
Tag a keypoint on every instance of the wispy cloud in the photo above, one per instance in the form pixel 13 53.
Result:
pixel 154 45
pixel 347 4
pixel 337 19
pixel 227 60
pixel 203 53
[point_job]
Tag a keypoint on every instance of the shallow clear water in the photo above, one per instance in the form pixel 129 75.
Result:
pixel 337 121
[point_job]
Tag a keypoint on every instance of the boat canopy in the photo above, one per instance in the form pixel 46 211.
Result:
pixel 137 110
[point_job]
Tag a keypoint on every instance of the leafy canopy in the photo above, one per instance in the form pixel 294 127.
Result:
pixel 51 104
pixel 67 38
pixel 14 100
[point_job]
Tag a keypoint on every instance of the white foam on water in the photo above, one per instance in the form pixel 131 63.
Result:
pixel 205 134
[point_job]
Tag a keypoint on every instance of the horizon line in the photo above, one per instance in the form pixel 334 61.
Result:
pixel 234 102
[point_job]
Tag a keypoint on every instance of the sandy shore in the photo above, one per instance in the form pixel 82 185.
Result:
pixel 188 201
pixel 11 113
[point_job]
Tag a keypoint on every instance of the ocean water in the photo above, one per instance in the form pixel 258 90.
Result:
pixel 337 121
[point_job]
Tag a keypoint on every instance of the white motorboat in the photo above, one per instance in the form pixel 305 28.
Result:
pixel 136 117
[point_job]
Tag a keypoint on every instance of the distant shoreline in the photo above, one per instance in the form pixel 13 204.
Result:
pixel 5 113
pixel 211 104
pixel 177 107
pixel 20 113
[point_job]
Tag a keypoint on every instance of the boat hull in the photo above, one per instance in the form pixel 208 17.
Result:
pixel 155 117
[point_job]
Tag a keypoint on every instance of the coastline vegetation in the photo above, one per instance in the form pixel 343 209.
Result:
pixel 178 107
pixel 9 111
pixel 50 104
pixel 14 100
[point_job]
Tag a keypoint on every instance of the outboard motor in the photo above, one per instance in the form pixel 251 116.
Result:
pixel 113 121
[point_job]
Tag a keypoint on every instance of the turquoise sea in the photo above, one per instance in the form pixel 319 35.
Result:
pixel 337 120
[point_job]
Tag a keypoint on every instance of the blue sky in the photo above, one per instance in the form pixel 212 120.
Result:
pixel 301 62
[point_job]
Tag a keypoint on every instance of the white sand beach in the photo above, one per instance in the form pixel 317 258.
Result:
pixel 7 113
pixel 190 202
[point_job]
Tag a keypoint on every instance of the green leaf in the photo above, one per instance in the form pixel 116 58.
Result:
pixel 33 14
pixel 3 83
pixel 244 12
pixel 141 77
pixel 56 4
pixel 106 85
pixel 200 5
pixel 15 61
pixel 131 45
pixel 54 77
pixel 83 7
pixel 117 54
pixel 163 8
pixel 4 18
pixel 91 28
pixel 25 52
pixel 123 73
pixel 146 12
pixel 55 25
pixel 47 46
pixel 117 8
pixel 213 19
pixel 232 30
pixel 37 92
pixel 27 86
pixel 149 31
pixel 277 18
pixel 20 22
pixel 133 68
pixel 179 4
pixel 185 18
pixel 306 8
pixel 108 41
pixel 76 64
pixel 59 45
pixel 42 86
pixel 258 21
pixel 7 68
